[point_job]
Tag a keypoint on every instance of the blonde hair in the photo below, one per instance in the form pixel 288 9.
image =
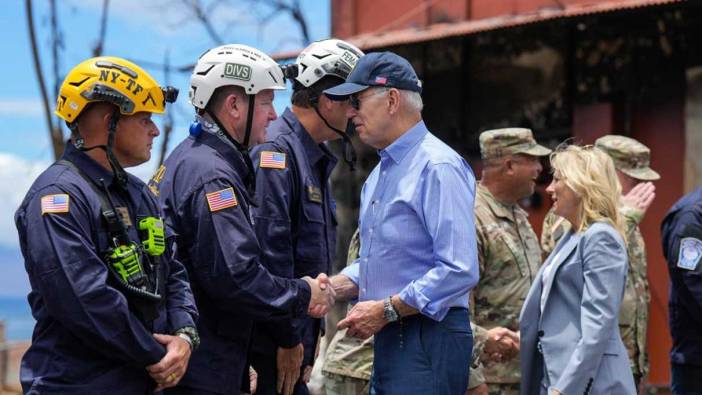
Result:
pixel 590 173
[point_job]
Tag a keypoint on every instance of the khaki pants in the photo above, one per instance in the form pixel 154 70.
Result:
pixel 503 389
pixel 335 384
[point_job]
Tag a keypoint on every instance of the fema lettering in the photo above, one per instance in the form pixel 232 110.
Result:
pixel 114 76
pixel 238 71
pixel 349 58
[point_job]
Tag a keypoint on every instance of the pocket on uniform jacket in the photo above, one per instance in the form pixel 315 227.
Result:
pixel 517 252
pixel 311 246
pixel 313 212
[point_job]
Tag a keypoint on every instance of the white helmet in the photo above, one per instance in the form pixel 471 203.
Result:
pixel 233 64
pixel 326 57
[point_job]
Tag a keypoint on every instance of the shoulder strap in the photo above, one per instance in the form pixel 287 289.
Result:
pixel 115 224
pixel 103 199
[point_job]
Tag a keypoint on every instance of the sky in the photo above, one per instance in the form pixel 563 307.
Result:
pixel 138 30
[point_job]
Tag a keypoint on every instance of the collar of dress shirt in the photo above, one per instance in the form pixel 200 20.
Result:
pixel 400 147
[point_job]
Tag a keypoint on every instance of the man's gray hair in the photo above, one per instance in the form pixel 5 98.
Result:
pixel 413 100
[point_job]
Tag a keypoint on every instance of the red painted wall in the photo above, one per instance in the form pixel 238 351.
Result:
pixel 353 17
pixel 661 126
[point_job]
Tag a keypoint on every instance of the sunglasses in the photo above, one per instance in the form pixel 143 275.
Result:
pixel 355 100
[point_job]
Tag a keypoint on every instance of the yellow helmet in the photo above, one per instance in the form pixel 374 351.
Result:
pixel 113 80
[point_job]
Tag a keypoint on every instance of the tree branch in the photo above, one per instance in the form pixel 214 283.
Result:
pixel 168 116
pixel 55 135
pixel 56 45
pixel 202 16
pixel 97 49
pixel 299 17
pixel 291 8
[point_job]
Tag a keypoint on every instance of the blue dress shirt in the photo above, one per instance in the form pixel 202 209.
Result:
pixel 417 226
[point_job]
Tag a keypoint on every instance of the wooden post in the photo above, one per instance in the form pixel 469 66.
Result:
pixel 3 357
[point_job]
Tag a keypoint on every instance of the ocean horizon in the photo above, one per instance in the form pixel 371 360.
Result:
pixel 17 316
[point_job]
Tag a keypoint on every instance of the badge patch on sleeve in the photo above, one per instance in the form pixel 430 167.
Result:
pixel 221 199
pixel 272 160
pixel 54 203
pixel 690 253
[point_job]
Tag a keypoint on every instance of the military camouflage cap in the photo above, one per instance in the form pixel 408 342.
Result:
pixel 630 157
pixel 508 141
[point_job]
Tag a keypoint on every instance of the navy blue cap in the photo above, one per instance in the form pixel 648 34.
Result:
pixel 384 69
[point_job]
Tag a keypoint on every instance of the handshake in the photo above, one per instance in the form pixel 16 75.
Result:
pixel 501 344
pixel 323 295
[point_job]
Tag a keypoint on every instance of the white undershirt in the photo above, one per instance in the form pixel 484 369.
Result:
pixel 546 276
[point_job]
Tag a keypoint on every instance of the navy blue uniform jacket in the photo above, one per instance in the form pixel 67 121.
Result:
pixel 208 208
pixel 295 222
pixel 684 221
pixel 87 339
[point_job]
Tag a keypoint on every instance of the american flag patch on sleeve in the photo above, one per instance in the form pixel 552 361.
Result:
pixel 272 160
pixel 54 203
pixel 221 199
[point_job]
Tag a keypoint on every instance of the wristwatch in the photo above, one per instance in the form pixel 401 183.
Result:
pixel 389 312
pixel 189 334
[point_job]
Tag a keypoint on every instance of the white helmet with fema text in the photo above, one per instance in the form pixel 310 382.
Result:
pixel 331 57
pixel 326 57
pixel 233 64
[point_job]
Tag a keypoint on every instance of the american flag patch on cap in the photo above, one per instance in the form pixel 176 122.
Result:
pixel 381 80
pixel 221 199
pixel 272 160
pixel 54 203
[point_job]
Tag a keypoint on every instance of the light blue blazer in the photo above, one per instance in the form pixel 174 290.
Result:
pixel 582 351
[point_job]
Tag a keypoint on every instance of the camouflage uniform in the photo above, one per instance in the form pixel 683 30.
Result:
pixel 348 362
pixel 509 255
pixel 631 158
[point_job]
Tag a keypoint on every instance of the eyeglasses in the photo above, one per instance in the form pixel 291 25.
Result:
pixel 355 100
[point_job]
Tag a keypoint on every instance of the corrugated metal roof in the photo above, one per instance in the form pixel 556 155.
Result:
pixel 370 41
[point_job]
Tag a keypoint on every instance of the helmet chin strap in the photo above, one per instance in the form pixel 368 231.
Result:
pixel 117 169
pixel 349 151
pixel 249 121
pixel 243 148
